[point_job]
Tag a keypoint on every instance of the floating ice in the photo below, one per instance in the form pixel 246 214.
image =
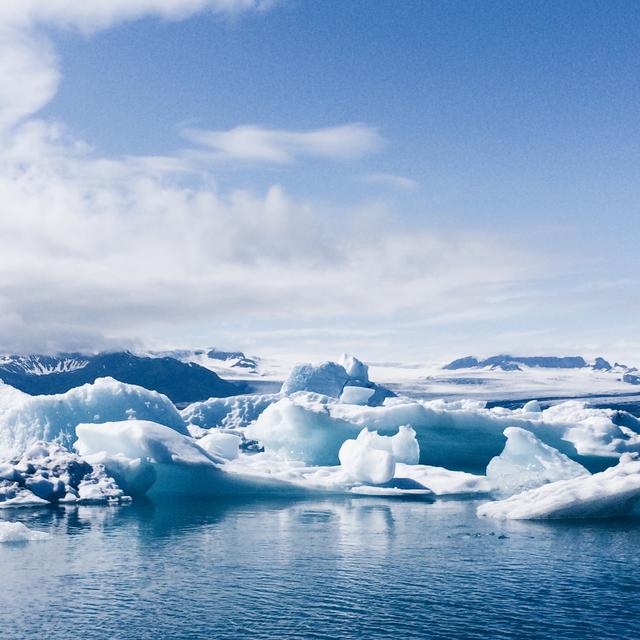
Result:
pixel 47 473
pixel 367 459
pixel 533 406
pixel 327 378
pixel 356 369
pixel 27 419
pixel 302 428
pixel 18 532
pixel 459 435
pixel 356 395
pixel 611 493
pixel 230 413
pixel 220 444
pixel 527 463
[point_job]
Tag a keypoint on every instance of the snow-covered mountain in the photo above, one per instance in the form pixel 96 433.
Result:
pixel 180 381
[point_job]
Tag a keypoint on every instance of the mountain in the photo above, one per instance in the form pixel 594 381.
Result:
pixel 513 363
pixel 181 381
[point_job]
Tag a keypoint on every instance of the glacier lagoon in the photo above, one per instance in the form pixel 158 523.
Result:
pixel 319 568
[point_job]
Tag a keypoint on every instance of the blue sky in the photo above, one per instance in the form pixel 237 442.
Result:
pixel 500 136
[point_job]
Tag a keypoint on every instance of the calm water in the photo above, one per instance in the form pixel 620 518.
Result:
pixel 347 568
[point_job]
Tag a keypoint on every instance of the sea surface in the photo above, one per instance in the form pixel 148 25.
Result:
pixel 361 568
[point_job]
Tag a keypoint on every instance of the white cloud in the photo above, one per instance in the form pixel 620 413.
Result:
pixel 93 249
pixel 390 181
pixel 28 65
pixel 260 144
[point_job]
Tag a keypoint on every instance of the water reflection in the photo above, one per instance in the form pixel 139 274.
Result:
pixel 349 567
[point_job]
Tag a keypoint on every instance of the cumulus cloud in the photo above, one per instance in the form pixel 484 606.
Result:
pixel 261 144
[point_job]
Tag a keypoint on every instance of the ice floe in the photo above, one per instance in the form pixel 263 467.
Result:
pixel 26 419
pixel 18 532
pixel 527 463
pixel 610 493
pixel 49 474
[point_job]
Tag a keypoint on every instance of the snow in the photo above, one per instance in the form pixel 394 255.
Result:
pixel 25 419
pixel 18 532
pixel 611 493
pixel 527 463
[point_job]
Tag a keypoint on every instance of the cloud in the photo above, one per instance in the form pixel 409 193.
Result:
pixel 260 144
pixel 28 64
pixel 94 248
pixel 390 181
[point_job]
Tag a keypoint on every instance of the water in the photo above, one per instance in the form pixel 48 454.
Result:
pixel 332 568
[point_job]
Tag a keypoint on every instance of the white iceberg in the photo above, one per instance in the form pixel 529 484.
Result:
pixel 302 428
pixel 18 532
pixel 611 493
pixel 221 444
pixel 47 473
pixel 527 463
pixel 356 369
pixel 327 378
pixel 460 435
pixel 356 395
pixel 26 419
pixel 229 413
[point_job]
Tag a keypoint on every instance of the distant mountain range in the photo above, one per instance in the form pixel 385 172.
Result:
pixel 506 362
pixel 181 381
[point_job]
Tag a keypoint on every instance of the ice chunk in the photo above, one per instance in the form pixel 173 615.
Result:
pixel 18 532
pixel 54 418
pixel 47 473
pixel 302 428
pixel 444 482
pixel 533 406
pixel 611 493
pixel 356 395
pixel 356 369
pixel 364 461
pixel 141 439
pixel 527 463
pixel 220 444
pixel 230 413
pixel 145 456
pixel 327 378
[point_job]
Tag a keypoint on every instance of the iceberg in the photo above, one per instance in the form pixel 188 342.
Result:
pixel 149 458
pixel 18 532
pixel 356 395
pixel 372 458
pixel 611 493
pixel 302 428
pixel 326 378
pixel 527 463
pixel 460 435
pixel 230 413
pixel 49 474
pixel 27 419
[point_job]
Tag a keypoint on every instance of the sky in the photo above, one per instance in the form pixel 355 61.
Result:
pixel 404 181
